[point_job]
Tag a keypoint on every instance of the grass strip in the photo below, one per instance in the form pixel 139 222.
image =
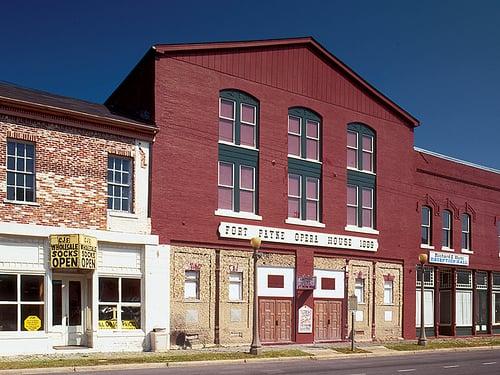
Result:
pixel 131 359
pixel 444 344
pixel 349 351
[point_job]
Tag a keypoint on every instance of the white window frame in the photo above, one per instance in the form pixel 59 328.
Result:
pixel 447 230
pixel 236 280
pixel 195 278
pixel 370 208
pixel 355 206
pixel 244 189
pixel 388 292
pixel 359 290
pixel 463 317
pixel 494 295
pixel 428 308
pixel 317 200
pixel 120 303
pixel 254 124
pixel 113 184
pixel 317 139
pixel 228 118
pixel 16 172
pixel 367 151
pixel 355 149
pixel 428 226
pixel 468 243
pixel 299 197
pixel 299 135
pixel 219 185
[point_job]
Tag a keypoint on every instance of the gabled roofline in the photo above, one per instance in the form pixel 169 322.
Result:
pixel 306 41
pixel 455 160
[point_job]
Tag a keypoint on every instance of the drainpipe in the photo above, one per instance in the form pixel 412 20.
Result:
pixel 217 298
pixel 374 279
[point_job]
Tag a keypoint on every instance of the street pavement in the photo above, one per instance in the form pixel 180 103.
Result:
pixel 475 362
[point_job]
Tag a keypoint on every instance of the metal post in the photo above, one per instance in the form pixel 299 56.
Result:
pixel 352 329
pixel 422 340
pixel 255 347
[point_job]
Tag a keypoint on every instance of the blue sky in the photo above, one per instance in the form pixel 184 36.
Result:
pixel 440 60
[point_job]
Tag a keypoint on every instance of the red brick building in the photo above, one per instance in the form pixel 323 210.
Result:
pixel 281 139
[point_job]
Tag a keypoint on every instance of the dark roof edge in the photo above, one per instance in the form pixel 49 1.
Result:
pixel 168 48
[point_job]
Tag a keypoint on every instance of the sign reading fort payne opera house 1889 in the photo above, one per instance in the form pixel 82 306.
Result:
pixel 296 237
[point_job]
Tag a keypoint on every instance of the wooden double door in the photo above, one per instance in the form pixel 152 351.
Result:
pixel 327 320
pixel 275 320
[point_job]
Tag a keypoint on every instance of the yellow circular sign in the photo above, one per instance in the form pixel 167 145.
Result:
pixel 32 323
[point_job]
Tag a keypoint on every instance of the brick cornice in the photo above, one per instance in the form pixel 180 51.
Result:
pixel 76 119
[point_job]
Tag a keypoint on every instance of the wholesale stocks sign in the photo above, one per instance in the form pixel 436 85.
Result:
pixel 75 251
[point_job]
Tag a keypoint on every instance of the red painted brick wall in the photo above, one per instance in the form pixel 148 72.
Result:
pixel 71 173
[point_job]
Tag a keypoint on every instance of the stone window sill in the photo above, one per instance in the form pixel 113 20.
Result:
pixel 128 215
pixel 239 215
pixel 424 246
pixel 34 204
pixel 307 223
pixel 367 230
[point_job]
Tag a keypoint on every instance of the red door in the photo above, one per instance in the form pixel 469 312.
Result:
pixel 327 320
pixel 275 320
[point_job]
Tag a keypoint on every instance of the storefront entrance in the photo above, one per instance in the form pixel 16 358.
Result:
pixel 275 317
pixel 67 309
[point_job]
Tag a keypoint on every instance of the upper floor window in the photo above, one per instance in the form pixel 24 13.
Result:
pixel 20 171
pixel 447 232
pixel 426 226
pixel 236 187
pixel 303 197
pixel 119 183
pixel 360 207
pixel 466 230
pixel 360 148
pixel 304 134
pixel 238 118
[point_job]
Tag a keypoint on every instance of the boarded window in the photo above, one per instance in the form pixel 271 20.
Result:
pixel 275 281
pixel 327 283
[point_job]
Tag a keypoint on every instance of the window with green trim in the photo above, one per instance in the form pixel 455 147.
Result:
pixel 303 197
pixel 304 128
pixel 360 148
pixel 238 118
pixel 359 206
pixel 236 187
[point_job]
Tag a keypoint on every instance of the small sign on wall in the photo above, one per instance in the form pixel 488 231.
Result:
pixel 305 319
pixel 306 282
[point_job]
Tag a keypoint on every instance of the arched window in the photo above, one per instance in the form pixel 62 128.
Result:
pixel 446 242
pixel 361 180
pixel 466 232
pixel 426 226
pixel 304 128
pixel 238 155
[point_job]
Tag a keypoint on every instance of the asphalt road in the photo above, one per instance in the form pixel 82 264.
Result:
pixel 451 363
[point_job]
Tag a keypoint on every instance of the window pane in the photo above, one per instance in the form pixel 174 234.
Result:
pixel 367 161
pixel 425 236
pixel 247 137
pixel 11 148
pixel 293 145
pixel 312 149
pixel 191 286
pixel 367 198
pixel 235 286
pixel 30 151
pixel 367 218
pixel 246 201
pixel 294 125
pixel 225 198
pixel 131 317
pixel 108 289
pixel 20 149
pixel 312 188
pixel 496 307
pixel 248 113
pixel 11 163
pixel 352 139
pixel 225 174
pixel 367 143
pixel 352 158
pixel 465 223
pixel 227 108
pixel 294 185
pixel 352 218
pixel 20 179
pixel 246 181
pixel 225 130
pixel 20 164
pixel 352 195
pixel 446 219
pixel 29 165
pixel 131 290
pixel 56 302
pixel 8 288
pixel 20 194
pixel 312 128
pixel 446 238
pixel 312 210
pixel 425 216
pixel 108 316
pixel 31 310
pixel 465 241
pixel 32 288
pixel 294 207
pixel 8 317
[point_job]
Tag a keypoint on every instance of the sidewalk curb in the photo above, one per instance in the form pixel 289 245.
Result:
pixel 156 365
